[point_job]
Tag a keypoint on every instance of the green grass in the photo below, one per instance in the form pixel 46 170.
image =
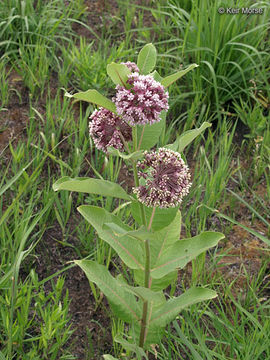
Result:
pixel 39 44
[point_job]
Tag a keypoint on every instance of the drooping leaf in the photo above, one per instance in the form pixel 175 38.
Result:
pixel 183 251
pixel 130 346
pixel 109 357
pixel 147 59
pixel 159 241
pixel 162 218
pixel 142 233
pixel 161 316
pixel 148 135
pixel 174 306
pixel 122 302
pixel 145 294
pixel 94 97
pixel 128 248
pixel 118 73
pixel 133 156
pixel 156 284
pixel 168 80
pixel 187 137
pixel 91 186
pixel 155 301
pixel 156 76
pixel 165 238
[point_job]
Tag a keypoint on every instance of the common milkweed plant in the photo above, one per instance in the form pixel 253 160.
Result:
pixel 129 126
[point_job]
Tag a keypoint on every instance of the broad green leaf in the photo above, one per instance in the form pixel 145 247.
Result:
pixel 133 156
pixel 91 186
pixel 156 284
pixel 94 97
pixel 183 251
pixel 156 76
pixel 168 80
pixel 187 137
pixel 165 238
pixel 161 316
pixel 156 300
pixel 162 218
pixel 109 357
pixel 118 73
pixel 174 306
pixel 148 135
pixel 147 59
pixel 159 241
pixel 123 303
pixel 145 294
pixel 142 233
pixel 128 248
pixel 129 346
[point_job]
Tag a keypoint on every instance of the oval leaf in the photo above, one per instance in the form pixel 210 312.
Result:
pixel 130 346
pixel 148 135
pixel 109 357
pixel 122 302
pixel 147 59
pixel 156 284
pixel 162 315
pixel 162 218
pixel 187 137
pixel 91 186
pixel 156 76
pixel 183 251
pixel 133 156
pixel 173 307
pixel 94 97
pixel 168 80
pixel 118 73
pixel 127 247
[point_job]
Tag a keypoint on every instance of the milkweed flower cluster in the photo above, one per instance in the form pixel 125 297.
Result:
pixel 131 66
pixel 164 179
pixel 142 102
pixel 139 103
pixel 106 129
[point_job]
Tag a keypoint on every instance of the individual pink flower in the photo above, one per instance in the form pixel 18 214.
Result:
pixel 131 66
pixel 105 129
pixel 164 179
pixel 142 101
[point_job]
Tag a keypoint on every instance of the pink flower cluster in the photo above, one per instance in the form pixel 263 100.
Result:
pixel 131 66
pixel 105 129
pixel 142 101
pixel 164 179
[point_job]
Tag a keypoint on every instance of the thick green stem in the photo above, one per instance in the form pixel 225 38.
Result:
pixel 146 283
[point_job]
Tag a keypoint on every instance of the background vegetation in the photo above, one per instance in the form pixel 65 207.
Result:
pixel 47 310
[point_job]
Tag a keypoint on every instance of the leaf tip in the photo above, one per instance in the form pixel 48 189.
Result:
pixel 55 187
pixel 67 94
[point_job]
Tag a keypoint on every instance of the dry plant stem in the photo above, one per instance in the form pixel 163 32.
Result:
pixel 146 283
